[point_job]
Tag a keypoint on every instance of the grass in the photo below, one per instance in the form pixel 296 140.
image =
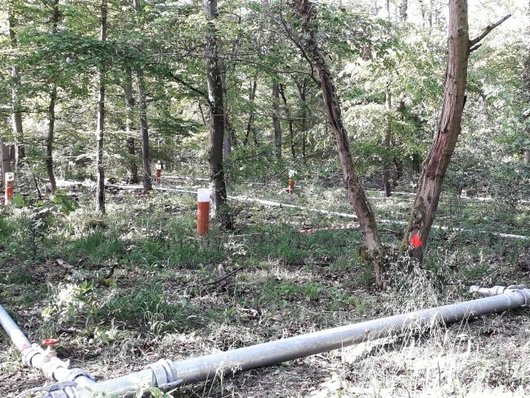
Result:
pixel 138 285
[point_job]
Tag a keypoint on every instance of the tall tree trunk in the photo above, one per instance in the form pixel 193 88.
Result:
pixel 146 161
pixel 251 114
pixel 289 120
pixel 51 108
pixel 5 152
pixel 50 136
pixel 387 144
pixel 18 131
pixel 304 114
pixel 229 140
pixel 305 11
pixel 527 156
pixel 437 161
pixel 142 103
pixel 220 210
pixel 277 128
pixel 129 126
pixel 100 186
pixel 403 10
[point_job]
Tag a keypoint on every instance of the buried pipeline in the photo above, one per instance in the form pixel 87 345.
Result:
pixel 168 374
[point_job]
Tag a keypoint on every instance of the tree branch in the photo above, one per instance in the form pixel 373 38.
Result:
pixel 474 43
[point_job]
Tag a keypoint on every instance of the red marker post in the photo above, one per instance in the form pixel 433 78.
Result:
pixel 203 211
pixel 9 187
pixel 290 188
pixel 158 173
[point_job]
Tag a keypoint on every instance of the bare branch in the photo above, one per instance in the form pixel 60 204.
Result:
pixel 474 43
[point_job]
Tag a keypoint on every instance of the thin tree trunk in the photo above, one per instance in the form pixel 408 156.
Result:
pixel 142 103
pixel 5 152
pixel 437 161
pixel 51 108
pixel 387 143
pixel 289 120
pixel 18 131
pixel 100 186
pixel 146 161
pixel 251 114
pixel 129 126
pixel 527 156
pixel 277 128
pixel 304 116
pixel 50 136
pixel 403 10
pixel 230 135
pixel 220 210
pixel 306 12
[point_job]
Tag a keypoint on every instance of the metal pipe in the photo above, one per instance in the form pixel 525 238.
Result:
pixel 165 374
pixel 46 360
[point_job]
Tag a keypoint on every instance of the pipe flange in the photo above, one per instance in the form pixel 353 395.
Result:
pixel 525 292
pixel 29 353
pixel 78 372
pixel 163 372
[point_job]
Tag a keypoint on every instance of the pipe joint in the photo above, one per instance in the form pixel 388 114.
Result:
pixel 164 373
pixel 51 364
pixel 75 373
pixel 29 353
pixel 525 292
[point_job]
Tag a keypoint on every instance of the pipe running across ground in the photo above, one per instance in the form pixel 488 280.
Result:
pixel 168 374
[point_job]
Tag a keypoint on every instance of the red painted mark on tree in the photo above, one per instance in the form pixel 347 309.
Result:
pixel 415 240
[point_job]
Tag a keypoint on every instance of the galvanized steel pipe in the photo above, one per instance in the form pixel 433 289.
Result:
pixel 165 374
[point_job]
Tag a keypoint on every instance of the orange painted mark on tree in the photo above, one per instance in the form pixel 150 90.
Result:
pixel 415 240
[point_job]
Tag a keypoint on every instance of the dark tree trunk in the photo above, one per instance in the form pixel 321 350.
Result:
pixel 100 186
pixel 51 108
pixel 5 152
pixel 18 131
pixel 305 11
pixel 289 120
pixel 49 138
pixel 129 126
pixel 220 210
pixel 142 103
pixel 387 144
pixel 403 10
pixel 277 128
pixel 146 161
pixel 437 161
pixel 251 114
pixel 304 114
pixel 230 135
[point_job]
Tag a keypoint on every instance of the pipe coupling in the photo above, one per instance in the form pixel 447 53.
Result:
pixel 165 374
pixel 525 292
pixel 29 353
pixel 78 372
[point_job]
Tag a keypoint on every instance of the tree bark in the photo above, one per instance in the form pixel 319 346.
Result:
pixel 220 210
pixel 129 126
pixel 306 13
pixel 51 108
pixel 387 144
pixel 304 114
pixel 289 120
pixel 100 185
pixel 146 161
pixel 277 128
pixel 251 114
pixel 437 161
pixel 527 156
pixel 49 138
pixel 18 131
pixel 5 152
pixel 144 128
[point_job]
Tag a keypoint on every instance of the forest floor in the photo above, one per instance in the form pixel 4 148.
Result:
pixel 125 290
